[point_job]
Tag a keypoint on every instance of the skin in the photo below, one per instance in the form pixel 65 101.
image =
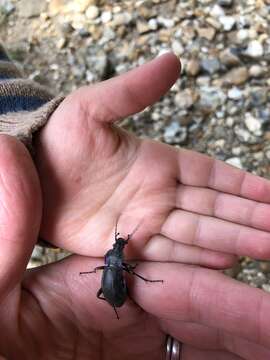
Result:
pixel 195 214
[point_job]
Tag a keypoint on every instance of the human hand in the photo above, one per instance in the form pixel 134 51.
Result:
pixel 52 312
pixel 195 209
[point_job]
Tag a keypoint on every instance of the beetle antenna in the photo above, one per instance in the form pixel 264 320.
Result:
pixel 114 308
pixel 115 231
pixel 133 232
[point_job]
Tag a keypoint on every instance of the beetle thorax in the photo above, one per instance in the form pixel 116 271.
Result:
pixel 119 245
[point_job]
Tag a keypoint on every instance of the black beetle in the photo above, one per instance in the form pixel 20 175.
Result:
pixel 113 284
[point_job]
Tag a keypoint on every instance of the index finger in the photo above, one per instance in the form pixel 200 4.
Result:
pixel 205 297
pixel 200 170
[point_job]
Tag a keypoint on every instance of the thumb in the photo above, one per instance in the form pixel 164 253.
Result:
pixel 20 211
pixel 130 93
pixel 126 94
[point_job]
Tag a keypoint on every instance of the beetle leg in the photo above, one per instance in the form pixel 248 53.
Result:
pixel 129 266
pixel 103 298
pixel 99 295
pixel 94 271
pixel 131 271
pixel 114 308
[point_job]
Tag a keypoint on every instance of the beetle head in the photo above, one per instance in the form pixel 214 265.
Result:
pixel 120 243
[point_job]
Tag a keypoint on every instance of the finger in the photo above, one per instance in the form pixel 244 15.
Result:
pixel 208 338
pixel 215 174
pixel 190 353
pixel 20 211
pixel 224 206
pixel 215 234
pixel 204 296
pixel 130 93
pixel 161 248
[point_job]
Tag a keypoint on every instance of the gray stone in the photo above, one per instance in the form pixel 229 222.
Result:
pixel 244 135
pixel 210 65
pixel 175 134
pixel 108 35
pixel 225 3
pixel 37 252
pixel 211 97
pixel 172 130
pixel 97 66
pixel 6 7
pixel 264 115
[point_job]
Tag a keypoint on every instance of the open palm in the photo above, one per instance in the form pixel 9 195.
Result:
pixel 188 207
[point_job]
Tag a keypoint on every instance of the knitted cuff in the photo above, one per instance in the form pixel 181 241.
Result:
pixel 25 106
pixel 24 124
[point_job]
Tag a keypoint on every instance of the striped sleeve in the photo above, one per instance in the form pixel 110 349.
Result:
pixel 25 106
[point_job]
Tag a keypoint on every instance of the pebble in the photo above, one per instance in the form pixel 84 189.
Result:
pixel 153 24
pixel 210 65
pixel 266 287
pixel 207 32
pixel 217 11
pixel 229 57
pixel 244 135
pixel 92 12
pixel 211 98
pixel 177 47
pixel 166 22
pixel 143 27
pixel 106 16
pixel 256 71
pixel 31 8
pixel 235 93
pixel 37 252
pixel 254 49
pixel 193 67
pixel 227 22
pixel 185 99
pixel 175 134
pixel 237 76
pixel 254 125
pixel 7 7
pixel 235 161
pixel 225 3
pixel 171 131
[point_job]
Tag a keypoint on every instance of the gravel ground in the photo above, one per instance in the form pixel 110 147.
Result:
pixel 220 106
